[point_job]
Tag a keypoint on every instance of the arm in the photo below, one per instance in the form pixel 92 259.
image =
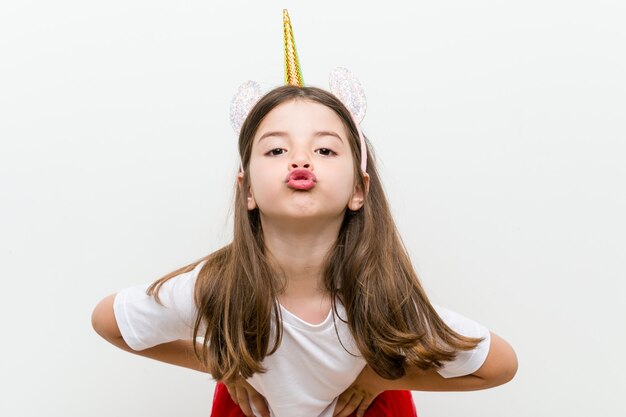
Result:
pixel 499 368
pixel 178 352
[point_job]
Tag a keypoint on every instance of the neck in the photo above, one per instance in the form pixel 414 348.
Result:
pixel 299 248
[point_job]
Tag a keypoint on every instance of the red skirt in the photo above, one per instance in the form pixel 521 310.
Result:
pixel 388 403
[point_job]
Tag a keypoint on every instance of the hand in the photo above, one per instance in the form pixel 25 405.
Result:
pixel 243 395
pixel 360 394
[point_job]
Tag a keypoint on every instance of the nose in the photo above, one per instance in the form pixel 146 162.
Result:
pixel 295 165
pixel 300 159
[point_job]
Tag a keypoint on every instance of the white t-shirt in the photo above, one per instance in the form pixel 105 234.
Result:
pixel 309 369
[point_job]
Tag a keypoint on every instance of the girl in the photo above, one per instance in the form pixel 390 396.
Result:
pixel 314 308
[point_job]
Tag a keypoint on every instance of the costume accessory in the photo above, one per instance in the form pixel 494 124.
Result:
pixel 293 73
pixel 343 84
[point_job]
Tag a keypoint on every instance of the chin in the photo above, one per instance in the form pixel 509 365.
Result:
pixel 300 215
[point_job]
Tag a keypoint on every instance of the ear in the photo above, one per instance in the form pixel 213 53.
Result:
pixel 251 200
pixel 358 197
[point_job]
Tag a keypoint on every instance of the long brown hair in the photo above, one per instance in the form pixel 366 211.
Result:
pixel 367 269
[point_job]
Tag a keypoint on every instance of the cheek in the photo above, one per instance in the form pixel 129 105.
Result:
pixel 349 176
pixel 348 191
pixel 343 185
pixel 263 183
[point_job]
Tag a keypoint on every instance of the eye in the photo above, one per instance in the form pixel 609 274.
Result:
pixel 275 152
pixel 326 152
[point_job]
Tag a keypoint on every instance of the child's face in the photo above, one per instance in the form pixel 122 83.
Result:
pixel 302 135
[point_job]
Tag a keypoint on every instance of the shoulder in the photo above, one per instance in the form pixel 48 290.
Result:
pixel 460 323
pixel 175 292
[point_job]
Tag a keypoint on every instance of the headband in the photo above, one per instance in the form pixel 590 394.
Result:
pixel 343 84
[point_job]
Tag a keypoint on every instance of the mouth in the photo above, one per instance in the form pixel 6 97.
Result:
pixel 301 179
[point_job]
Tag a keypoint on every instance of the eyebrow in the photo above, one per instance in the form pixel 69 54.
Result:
pixel 285 134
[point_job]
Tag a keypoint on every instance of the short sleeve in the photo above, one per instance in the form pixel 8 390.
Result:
pixel 466 362
pixel 144 323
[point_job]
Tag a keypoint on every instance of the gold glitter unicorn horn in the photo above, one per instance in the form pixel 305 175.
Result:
pixel 293 74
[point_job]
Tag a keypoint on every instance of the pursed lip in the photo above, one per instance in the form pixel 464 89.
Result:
pixel 301 179
pixel 300 174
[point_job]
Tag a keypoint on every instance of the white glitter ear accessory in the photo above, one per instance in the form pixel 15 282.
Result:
pixel 349 91
pixel 246 97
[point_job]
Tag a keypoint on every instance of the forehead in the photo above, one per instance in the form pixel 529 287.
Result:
pixel 300 117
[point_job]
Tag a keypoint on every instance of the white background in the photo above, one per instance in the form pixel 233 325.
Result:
pixel 499 129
